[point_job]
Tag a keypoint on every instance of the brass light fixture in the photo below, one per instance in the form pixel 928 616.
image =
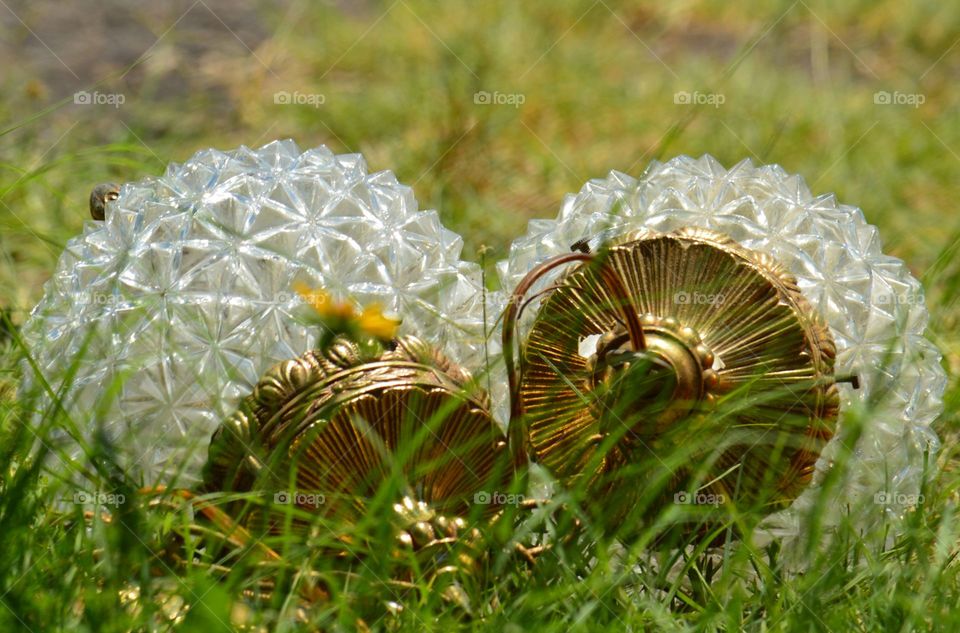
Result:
pixel 673 341
pixel 331 423
pixel 324 431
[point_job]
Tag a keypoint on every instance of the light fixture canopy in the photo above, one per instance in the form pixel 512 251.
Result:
pixel 724 359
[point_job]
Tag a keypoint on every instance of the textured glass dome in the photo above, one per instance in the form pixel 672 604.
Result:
pixel 182 297
pixel 872 304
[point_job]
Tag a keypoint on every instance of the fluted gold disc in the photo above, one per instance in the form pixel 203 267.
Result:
pixel 728 319
pixel 338 426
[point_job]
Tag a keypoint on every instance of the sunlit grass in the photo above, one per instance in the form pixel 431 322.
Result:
pixel 598 82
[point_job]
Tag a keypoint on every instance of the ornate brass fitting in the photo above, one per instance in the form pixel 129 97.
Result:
pixel 327 429
pixel 731 364
pixel 675 370
pixel 332 422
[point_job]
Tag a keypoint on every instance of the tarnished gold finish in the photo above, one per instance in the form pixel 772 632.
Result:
pixel 444 546
pixel 733 366
pixel 328 428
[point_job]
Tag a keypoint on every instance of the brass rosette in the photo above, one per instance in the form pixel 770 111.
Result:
pixel 702 347
pixel 328 428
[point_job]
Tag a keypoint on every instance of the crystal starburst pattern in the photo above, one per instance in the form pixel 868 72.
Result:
pixel 171 308
pixel 872 304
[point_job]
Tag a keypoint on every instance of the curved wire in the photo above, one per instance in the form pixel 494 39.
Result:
pixel 511 317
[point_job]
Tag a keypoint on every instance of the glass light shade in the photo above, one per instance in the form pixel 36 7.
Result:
pixel 872 304
pixel 172 308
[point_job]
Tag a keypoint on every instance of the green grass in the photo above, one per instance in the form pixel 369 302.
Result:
pixel 598 81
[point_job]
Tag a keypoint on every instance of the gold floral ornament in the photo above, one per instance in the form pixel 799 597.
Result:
pixel 342 318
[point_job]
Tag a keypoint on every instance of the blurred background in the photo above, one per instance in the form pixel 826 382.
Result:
pixel 491 111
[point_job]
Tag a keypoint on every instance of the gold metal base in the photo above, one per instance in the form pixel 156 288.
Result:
pixel 733 369
pixel 329 428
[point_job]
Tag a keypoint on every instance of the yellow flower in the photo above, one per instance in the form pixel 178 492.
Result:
pixel 375 323
pixel 324 304
pixel 371 321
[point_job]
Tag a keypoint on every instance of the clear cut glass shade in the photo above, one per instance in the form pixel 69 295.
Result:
pixel 171 308
pixel 873 305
